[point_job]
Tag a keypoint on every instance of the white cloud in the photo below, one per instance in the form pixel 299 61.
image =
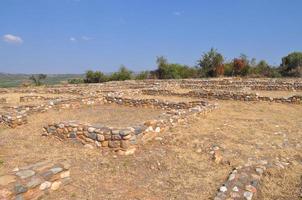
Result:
pixel 178 13
pixel 86 38
pixel 13 39
pixel 72 39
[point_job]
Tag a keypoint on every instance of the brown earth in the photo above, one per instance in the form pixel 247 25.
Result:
pixel 177 164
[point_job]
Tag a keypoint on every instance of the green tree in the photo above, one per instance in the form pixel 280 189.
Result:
pixel 210 62
pixel 122 74
pixel 292 65
pixel 95 77
pixel 37 79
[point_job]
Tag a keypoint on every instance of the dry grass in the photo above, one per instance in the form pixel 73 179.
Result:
pixel 277 94
pixel 179 166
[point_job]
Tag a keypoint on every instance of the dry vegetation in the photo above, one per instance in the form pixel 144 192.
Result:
pixel 177 163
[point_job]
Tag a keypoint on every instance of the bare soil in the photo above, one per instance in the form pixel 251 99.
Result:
pixel 178 164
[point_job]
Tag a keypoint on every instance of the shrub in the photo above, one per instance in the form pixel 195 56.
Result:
pixel 37 79
pixel 292 65
pixel 75 81
pixel 121 75
pixel 211 63
pixel 95 77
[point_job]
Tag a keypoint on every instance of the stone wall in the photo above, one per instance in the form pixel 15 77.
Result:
pixel 34 181
pixel 225 95
pixel 30 98
pixel 124 139
pixel 17 115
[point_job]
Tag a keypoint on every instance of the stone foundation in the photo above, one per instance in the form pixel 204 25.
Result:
pixel 225 95
pixel 242 183
pixel 33 181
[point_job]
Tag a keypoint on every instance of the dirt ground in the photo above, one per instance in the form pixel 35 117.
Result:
pixel 177 164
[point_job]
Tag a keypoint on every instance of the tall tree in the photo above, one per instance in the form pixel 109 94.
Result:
pixel 210 63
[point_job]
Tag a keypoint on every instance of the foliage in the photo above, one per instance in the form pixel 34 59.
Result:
pixel 292 65
pixel 36 79
pixel 95 77
pixel 142 75
pixel 167 70
pixel 122 74
pixel 211 63
pixel 75 81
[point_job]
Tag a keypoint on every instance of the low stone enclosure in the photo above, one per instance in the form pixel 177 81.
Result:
pixel 34 181
pixel 123 139
pixel 224 95
pixel 30 98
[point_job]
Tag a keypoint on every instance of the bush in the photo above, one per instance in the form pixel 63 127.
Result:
pixel 167 70
pixel 292 65
pixel 95 77
pixel 211 63
pixel 75 81
pixel 121 75
pixel 37 79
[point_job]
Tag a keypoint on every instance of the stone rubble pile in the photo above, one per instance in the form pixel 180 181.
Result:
pixel 242 183
pixel 34 181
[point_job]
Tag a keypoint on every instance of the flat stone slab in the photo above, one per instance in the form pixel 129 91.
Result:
pixel 35 180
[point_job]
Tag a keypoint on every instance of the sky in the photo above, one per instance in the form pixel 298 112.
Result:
pixel 72 36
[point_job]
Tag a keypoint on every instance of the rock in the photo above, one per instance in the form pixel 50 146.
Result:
pixel 91 129
pixel 100 138
pixel 45 185
pixel 56 170
pixel 20 189
pixel 223 189
pixel 232 177
pixel 130 151
pixel 125 144
pixel 47 175
pixel 259 170
pixel 114 144
pixel 125 132
pixel 235 189
pixel 35 181
pixel 25 173
pixel 65 174
pixel 251 188
pixel 248 195
pixel 157 129
pixel 55 185
pixel 6 179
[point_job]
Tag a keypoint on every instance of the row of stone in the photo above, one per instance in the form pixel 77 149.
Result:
pixel 35 180
pixel 17 115
pixel 225 95
pixel 30 98
pixel 121 138
pixel 242 183
pixel 155 103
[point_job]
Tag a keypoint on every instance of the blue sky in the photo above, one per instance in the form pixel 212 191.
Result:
pixel 71 36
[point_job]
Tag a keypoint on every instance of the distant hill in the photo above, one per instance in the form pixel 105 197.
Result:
pixel 14 80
